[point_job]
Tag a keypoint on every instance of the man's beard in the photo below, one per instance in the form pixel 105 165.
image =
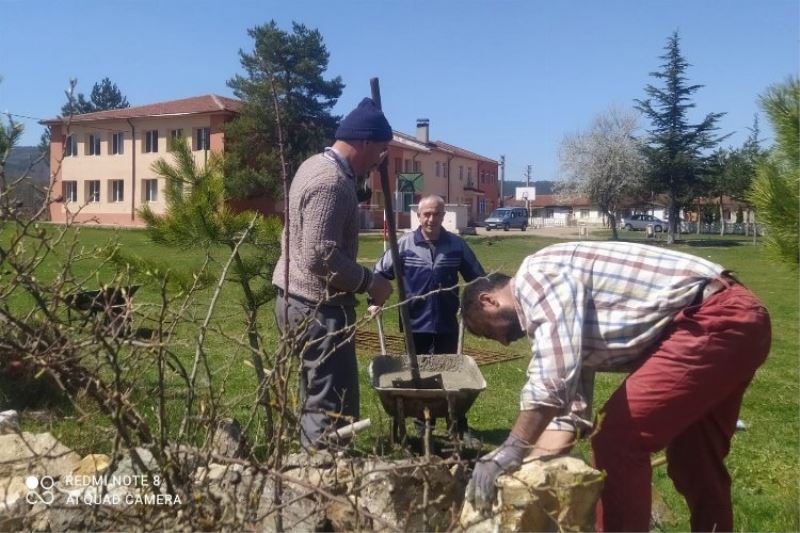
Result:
pixel 509 324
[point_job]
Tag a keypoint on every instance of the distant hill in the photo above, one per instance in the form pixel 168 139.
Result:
pixel 19 161
pixel 542 187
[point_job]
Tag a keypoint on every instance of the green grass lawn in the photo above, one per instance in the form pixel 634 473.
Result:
pixel 763 460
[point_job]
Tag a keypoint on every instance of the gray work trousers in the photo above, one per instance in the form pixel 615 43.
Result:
pixel 329 372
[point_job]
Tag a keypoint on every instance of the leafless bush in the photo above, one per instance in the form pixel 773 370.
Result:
pixel 155 379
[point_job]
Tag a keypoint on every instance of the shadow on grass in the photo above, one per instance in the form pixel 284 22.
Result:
pixel 492 437
pixel 710 243
pixel 21 392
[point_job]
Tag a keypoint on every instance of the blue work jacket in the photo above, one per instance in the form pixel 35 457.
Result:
pixel 427 269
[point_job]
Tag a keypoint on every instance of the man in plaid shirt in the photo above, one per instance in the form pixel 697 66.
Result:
pixel 690 334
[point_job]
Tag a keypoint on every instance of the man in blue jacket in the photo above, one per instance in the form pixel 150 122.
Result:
pixel 432 259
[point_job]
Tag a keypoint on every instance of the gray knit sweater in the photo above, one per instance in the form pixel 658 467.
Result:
pixel 323 236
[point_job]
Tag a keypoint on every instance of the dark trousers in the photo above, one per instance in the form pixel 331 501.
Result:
pixel 323 339
pixel 685 397
pixel 438 343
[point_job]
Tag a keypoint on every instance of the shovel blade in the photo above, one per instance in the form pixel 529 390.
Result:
pixel 429 382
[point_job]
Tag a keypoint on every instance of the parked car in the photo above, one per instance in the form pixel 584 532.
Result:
pixel 642 221
pixel 507 218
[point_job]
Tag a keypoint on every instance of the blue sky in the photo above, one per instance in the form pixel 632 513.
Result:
pixel 495 77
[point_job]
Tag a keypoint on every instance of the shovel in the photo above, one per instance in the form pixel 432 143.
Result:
pixel 416 381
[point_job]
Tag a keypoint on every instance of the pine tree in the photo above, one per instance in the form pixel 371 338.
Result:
pixel 296 61
pixel 776 189
pixel 105 95
pixel 197 214
pixel 675 147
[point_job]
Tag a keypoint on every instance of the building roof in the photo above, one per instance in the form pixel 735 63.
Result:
pixel 408 141
pixel 209 103
pixel 462 152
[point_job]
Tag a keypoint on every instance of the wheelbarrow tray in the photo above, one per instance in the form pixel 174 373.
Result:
pixel 461 377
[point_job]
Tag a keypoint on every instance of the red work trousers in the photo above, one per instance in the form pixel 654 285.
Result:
pixel 685 397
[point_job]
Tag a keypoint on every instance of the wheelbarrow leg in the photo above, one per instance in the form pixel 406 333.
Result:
pixel 399 423
pixel 452 419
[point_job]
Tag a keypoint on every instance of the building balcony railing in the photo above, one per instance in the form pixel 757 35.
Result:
pixel 472 186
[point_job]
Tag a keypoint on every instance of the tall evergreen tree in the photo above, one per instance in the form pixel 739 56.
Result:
pixel 675 146
pixel 295 62
pixel 776 189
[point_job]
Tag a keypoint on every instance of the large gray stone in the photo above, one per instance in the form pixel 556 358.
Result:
pixel 9 422
pixel 557 494
pixel 229 439
pixel 35 454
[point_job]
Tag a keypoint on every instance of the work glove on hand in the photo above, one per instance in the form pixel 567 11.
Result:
pixel 481 490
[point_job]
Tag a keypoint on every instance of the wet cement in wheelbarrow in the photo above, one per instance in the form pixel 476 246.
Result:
pixel 451 380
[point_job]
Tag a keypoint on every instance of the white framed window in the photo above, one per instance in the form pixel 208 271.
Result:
pixel 70 191
pixel 202 139
pixel 438 168
pixel 117 143
pixel 71 146
pixel 150 190
pixel 116 190
pixel 417 166
pixel 469 173
pixel 151 141
pixel 93 144
pixel 174 134
pixel 92 191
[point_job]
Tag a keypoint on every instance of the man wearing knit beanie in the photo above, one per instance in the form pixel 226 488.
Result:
pixel 317 307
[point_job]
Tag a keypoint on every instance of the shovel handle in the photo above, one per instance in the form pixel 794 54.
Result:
pixel 460 334
pixel 383 168
pixel 381 336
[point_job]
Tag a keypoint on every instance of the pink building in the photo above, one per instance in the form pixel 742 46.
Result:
pixel 101 162
pixel 435 167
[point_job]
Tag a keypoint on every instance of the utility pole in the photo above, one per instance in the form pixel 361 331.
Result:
pixel 528 173
pixel 502 178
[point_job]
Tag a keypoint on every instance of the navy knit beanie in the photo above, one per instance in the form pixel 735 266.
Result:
pixel 365 123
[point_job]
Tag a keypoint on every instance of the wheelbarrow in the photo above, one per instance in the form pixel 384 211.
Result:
pixel 461 378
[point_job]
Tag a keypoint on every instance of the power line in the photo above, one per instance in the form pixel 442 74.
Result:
pixel 66 120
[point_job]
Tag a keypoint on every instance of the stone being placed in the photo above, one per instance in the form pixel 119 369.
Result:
pixel 557 494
